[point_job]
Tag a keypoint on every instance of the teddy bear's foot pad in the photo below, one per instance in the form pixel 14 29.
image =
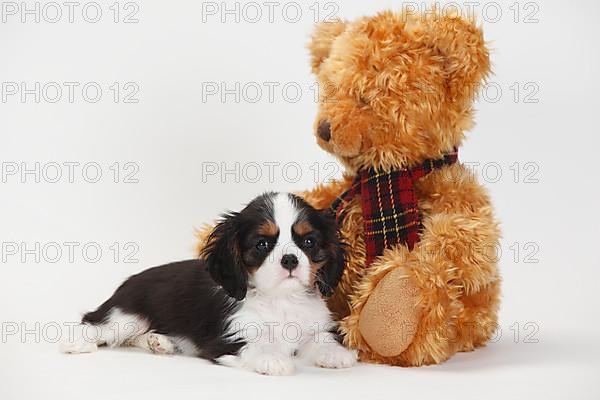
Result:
pixel 389 320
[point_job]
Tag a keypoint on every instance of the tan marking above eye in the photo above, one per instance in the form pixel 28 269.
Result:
pixel 301 228
pixel 268 229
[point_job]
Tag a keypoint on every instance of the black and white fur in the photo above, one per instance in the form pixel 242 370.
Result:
pixel 253 300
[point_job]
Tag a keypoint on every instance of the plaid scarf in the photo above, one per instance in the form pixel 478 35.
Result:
pixel 389 204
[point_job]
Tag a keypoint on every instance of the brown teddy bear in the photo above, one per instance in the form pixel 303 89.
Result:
pixel 397 92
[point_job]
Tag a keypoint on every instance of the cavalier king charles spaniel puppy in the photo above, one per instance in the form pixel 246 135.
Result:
pixel 254 299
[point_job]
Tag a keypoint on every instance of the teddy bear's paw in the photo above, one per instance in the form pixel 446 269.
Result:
pixel 273 364
pixel 390 318
pixel 336 356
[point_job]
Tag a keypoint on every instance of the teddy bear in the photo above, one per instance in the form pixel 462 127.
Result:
pixel 396 97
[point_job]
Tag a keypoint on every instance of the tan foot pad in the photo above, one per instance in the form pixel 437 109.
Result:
pixel 389 319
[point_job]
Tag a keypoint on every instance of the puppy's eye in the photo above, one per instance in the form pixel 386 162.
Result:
pixel 308 242
pixel 262 245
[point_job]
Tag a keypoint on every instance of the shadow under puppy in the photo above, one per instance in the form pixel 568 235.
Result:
pixel 253 300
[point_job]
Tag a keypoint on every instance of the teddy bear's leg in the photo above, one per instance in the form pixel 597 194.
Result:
pixel 446 279
pixel 401 317
pixel 391 313
pixel 478 322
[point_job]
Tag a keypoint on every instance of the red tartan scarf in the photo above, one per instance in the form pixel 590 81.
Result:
pixel 390 206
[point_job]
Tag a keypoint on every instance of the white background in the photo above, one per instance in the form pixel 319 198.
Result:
pixel 547 343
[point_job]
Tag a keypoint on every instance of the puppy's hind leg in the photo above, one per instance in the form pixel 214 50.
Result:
pixel 154 343
pixel 112 328
pixel 79 340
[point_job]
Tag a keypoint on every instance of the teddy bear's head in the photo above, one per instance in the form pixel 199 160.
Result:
pixel 396 89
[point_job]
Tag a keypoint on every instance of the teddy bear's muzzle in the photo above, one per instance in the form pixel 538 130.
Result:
pixel 324 130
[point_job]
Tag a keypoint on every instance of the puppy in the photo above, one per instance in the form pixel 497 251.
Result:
pixel 253 300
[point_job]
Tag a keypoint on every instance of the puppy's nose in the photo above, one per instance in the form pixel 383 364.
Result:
pixel 324 130
pixel 289 261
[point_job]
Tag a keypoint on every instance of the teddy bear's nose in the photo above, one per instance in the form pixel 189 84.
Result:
pixel 324 130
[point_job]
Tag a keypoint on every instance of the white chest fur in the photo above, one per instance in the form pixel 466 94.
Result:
pixel 278 328
pixel 286 321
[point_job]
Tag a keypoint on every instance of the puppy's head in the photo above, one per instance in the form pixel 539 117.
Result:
pixel 278 243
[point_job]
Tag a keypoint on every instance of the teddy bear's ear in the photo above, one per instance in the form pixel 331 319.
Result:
pixel 322 39
pixel 467 58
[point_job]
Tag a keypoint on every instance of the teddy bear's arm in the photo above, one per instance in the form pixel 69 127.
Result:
pixel 325 193
pixel 202 235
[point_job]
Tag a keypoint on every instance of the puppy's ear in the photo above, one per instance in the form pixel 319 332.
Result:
pixel 321 41
pixel 329 275
pixel 222 255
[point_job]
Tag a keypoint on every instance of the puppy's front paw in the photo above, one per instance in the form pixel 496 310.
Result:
pixel 336 356
pixel 274 364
